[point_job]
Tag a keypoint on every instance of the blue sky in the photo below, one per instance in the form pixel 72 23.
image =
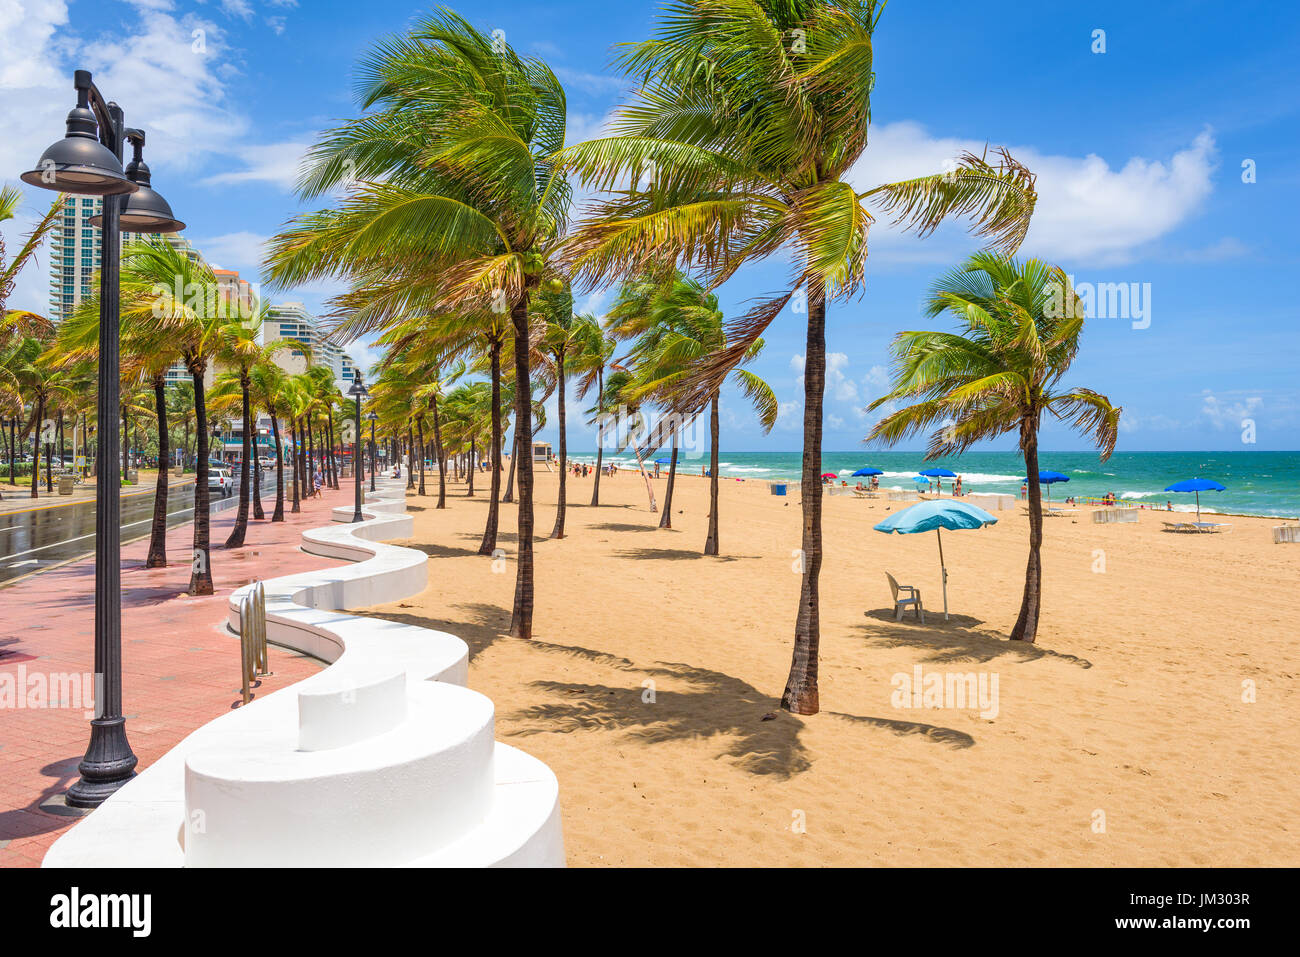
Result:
pixel 1138 149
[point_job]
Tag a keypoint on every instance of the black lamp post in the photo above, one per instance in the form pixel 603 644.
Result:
pixel 373 451
pixel 88 160
pixel 358 392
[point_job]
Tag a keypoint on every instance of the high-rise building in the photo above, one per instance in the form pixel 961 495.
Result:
pixel 74 253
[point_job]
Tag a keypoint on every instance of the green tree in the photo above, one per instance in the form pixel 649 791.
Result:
pixel 455 198
pixel 739 144
pixel 1020 328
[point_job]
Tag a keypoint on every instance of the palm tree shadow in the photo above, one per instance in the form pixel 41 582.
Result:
pixel 673 554
pixel 480 627
pixel 957 640
pixel 621 527
pixel 752 731
pixel 438 551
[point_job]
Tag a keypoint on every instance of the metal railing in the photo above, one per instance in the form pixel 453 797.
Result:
pixel 252 639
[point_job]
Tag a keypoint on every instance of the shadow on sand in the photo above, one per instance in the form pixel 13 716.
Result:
pixel 957 639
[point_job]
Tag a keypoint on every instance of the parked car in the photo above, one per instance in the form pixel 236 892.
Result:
pixel 221 480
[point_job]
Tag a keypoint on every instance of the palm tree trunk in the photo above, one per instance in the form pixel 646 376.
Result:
pixel 1026 628
pixel 126 446
pixel 521 616
pixel 297 469
pixel 158 528
pixel 419 429
pixel 509 495
pixel 278 514
pixel 334 456
pixel 558 531
pixel 410 457
pixel 801 695
pixel 473 465
pixel 711 542
pixel 489 543
pixel 437 450
pixel 49 466
pixel 257 474
pixel 13 450
pixel 36 446
pixel 666 519
pixel 600 443
pixel 240 530
pixel 201 567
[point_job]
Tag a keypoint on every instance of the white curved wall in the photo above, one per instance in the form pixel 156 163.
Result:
pixel 146 822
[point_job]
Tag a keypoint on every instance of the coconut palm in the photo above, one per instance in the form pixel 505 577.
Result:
pixel 740 143
pixel 677 324
pixel 10 199
pixel 239 351
pixel 166 290
pixel 266 389
pixel 456 199
pixel 593 353
pixel 1020 328
pixel 561 335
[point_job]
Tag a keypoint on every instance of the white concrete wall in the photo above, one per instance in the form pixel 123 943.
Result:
pixel 413 780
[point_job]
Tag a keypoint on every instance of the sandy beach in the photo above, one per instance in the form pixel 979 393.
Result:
pixel 1155 722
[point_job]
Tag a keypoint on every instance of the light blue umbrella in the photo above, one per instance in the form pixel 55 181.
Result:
pixel 1197 485
pixel 937 515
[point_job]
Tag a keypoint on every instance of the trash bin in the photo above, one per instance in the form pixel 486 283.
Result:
pixel 65 484
pixel 133 476
pixel 778 488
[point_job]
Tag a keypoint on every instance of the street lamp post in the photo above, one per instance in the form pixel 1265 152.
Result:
pixel 88 160
pixel 373 451
pixel 358 392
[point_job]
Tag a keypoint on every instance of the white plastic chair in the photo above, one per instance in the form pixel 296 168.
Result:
pixel 913 598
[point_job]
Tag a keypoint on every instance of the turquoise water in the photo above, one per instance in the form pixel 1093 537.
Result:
pixel 1258 483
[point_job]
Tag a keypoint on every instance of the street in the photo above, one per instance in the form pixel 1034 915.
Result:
pixel 52 533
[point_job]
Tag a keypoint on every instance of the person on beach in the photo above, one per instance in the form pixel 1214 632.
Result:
pixel 875 482
pixel 956 489
pixel 316 484
pixel 1024 489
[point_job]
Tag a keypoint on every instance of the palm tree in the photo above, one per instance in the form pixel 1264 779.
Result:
pixel 147 352
pixel 239 351
pixel 165 290
pixel 457 199
pixel 594 352
pixel 1021 326
pixel 561 334
pixel 10 199
pixel 679 324
pixel 739 143
pixel 266 389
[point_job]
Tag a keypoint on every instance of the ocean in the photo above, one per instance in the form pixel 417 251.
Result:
pixel 1258 483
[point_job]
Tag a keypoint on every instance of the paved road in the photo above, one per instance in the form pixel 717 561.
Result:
pixel 44 536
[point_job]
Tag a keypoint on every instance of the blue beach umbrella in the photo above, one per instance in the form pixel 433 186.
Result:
pixel 937 515
pixel 940 473
pixel 1049 478
pixel 1197 485
pixel 867 470
pixel 661 461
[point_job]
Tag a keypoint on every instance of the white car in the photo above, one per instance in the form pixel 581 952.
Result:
pixel 221 480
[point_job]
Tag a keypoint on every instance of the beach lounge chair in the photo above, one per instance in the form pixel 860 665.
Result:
pixel 1212 526
pixel 913 598
pixel 863 493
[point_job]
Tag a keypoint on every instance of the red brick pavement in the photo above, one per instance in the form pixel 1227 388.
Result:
pixel 180 668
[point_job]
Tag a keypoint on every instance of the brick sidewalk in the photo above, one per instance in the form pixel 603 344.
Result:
pixel 180 669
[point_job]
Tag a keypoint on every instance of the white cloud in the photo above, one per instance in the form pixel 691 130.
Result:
pixel 839 385
pixel 1088 213
pixel 1228 413
pixel 276 163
